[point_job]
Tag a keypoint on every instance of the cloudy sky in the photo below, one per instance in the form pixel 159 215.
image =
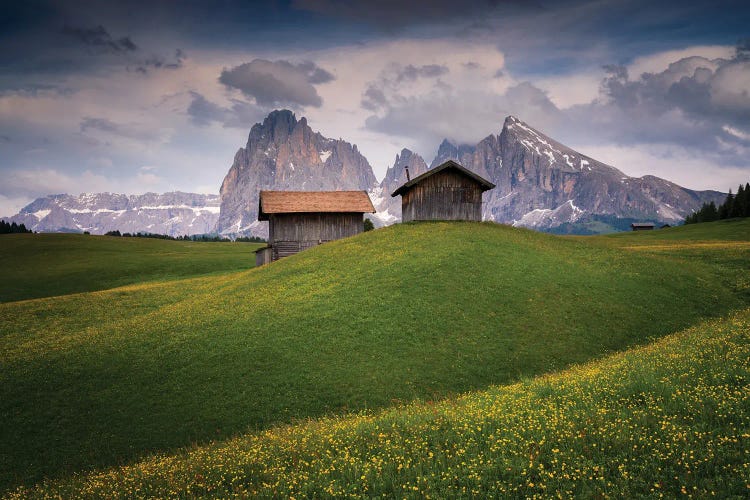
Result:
pixel 139 96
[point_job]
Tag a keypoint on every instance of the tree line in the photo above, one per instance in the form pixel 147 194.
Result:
pixel 6 228
pixel 194 237
pixel 735 205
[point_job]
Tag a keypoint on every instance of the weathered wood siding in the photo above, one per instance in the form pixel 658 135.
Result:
pixel 447 195
pixel 291 233
pixel 263 256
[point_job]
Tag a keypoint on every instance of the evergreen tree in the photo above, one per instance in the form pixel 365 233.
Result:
pixel 739 200
pixel 726 207
pixel 6 228
pixel 711 213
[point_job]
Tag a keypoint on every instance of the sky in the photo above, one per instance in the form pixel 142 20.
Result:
pixel 137 96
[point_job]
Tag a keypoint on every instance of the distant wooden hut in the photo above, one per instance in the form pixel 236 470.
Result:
pixel 446 192
pixel 642 226
pixel 298 220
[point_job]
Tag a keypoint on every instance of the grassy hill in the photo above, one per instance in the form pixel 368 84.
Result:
pixel 671 419
pixel 414 311
pixel 44 265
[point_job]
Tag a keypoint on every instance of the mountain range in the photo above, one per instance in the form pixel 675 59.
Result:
pixel 541 184
pixel 169 213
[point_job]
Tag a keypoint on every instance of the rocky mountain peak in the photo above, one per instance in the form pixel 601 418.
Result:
pixel 284 153
pixel 174 213
pixel 447 150
pixel 510 120
pixel 396 175
pixel 450 151
pixel 542 183
pixel 389 208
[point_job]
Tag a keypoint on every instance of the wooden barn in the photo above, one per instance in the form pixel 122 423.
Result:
pixel 642 226
pixel 302 219
pixel 446 192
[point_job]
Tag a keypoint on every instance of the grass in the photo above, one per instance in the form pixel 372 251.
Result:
pixel 410 312
pixel 724 245
pixel 45 265
pixel 670 419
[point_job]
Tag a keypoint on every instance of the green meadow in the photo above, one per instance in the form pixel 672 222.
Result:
pixel 169 380
pixel 46 265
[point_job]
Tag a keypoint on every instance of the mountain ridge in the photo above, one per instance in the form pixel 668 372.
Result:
pixel 538 179
pixel 541 183
pixel 284 153
pixel 175 213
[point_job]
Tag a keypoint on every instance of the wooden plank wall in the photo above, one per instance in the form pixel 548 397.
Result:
pixel 263 256
pixel 447 195
pixel 314 227
pixel 292 233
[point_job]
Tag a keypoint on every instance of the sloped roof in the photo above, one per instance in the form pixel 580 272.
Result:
pixel 289 202
pixel 484 183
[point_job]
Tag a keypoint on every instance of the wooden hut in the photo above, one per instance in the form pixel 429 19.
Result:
pixel 642 226
pixel 302 219
pixel 446 192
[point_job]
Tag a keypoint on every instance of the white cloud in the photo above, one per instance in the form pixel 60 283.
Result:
pixel 670 162
pixel 568 90
pixel 39 181
pixel 737 133
pixel 146 120
pixel 660 61
pixel 357 66
pixel 11 205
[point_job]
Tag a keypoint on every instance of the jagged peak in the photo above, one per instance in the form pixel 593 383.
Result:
pixel 510 119
pixel 281 115
pixel 405 154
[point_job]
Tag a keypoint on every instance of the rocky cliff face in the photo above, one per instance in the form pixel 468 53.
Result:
pixel 283 153
pixel 175 214
pixel 542 183
pixel 389 208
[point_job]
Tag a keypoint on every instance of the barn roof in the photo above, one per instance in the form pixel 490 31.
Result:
pixel 450 164
pixel 289 202
pixel 642 224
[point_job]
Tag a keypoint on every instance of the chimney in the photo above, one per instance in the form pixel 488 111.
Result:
pixel 408 177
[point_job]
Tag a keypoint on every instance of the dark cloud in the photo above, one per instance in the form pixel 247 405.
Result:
pixel 100 39
pixel 315 74
pixel 203 112
pixel 396 75
pixel 240 114
pixel 696 104
pixel 373 99
pixel 715 92
pixel 742 52
pixel 411 72
pixel 158 62
pixel 277 83
pixel 129 131
pixel 102 124
pixel 36 90
pixel 461 116
pixel 395 14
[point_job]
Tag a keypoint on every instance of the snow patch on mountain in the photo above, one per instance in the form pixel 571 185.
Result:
pixel 174 213
pixel 549 218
